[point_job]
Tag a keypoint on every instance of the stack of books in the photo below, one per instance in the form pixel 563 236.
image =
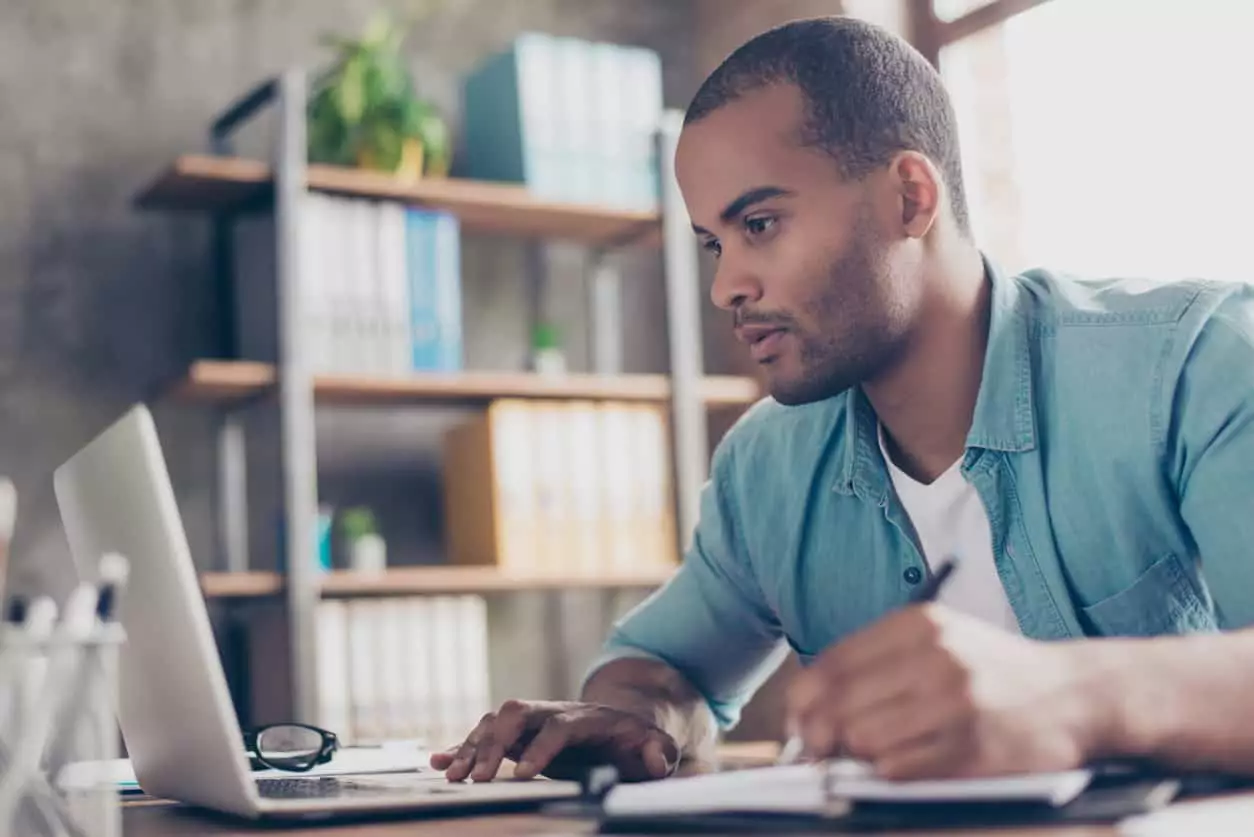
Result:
pixel 561 488
pixel 381 287
pixel 574 121
pixel 409 667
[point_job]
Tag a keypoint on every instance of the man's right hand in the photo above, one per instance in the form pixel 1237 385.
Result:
pixel 560 740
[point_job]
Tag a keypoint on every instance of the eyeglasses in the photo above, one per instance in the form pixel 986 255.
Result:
pixel 294 747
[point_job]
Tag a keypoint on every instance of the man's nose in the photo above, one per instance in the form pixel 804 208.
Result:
pixel 733 287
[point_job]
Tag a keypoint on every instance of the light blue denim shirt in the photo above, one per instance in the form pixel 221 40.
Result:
pixel 1112 446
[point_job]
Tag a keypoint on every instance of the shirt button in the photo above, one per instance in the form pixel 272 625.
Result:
pixel 912 575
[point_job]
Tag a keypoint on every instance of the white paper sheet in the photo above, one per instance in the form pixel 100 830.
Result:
pixel 800 789
pixel 1212 817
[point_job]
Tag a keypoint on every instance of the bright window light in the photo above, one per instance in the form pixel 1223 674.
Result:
pixel 1112 137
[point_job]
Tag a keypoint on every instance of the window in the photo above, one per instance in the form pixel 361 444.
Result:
pixel 954 9
pixel 1111 137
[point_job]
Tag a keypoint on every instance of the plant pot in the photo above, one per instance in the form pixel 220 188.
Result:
pixel 410 166
pixel 368 554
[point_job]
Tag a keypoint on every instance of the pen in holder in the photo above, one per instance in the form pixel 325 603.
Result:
pixel 58 687
pixel 8 519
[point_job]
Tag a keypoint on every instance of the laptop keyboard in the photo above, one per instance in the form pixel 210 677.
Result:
pixel 326 787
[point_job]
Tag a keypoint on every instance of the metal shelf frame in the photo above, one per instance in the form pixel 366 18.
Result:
pixel 288 95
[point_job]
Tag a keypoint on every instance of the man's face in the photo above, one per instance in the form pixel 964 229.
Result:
pixel 806 259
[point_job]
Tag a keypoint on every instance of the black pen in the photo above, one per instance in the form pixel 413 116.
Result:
pixel 928 592
pixel 931 587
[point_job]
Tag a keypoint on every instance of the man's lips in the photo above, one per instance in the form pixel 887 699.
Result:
pixel 763 341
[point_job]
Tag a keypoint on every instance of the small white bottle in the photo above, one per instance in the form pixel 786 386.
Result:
pixel 369 554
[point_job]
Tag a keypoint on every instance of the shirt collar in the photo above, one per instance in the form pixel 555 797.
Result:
pixel 1004 417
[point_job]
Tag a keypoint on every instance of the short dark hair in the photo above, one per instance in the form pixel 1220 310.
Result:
pixel 868 95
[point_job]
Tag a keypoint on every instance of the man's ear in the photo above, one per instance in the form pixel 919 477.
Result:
pixel 921 192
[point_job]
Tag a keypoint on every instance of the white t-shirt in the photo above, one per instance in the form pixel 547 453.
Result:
pixel 950 521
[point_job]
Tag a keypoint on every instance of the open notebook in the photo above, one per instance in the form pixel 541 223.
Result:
pixel 828 789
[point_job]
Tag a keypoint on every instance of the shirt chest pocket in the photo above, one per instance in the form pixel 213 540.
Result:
pixel 1162 600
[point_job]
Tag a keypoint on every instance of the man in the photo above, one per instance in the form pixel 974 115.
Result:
pixel 1082 449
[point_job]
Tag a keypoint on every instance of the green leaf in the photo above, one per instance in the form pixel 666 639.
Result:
pixel 327 133
pixel 374 89
pixel 546 336
pixel 436 142
pixel 378 30
pixel 394 78
pixel 390 145
pixel 349 91
pixel 357 522
pixel 407 114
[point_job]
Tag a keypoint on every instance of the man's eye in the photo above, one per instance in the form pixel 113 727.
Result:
pixel 713 246
pixel 759 225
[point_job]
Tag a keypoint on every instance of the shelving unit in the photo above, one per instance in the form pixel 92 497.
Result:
pixel 223 185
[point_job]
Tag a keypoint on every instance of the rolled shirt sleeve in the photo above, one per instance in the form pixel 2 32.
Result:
pixel 1211 453
pixel 710 622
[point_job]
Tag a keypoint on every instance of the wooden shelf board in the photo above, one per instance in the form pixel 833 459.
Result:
pixel 415 580
pixel 241 585
pixel 217 381
pixel 484 386
pixel 728 391
pixel 219 184
pixel 450 579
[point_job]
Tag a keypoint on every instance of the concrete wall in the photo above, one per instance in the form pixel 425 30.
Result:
pixel 723 26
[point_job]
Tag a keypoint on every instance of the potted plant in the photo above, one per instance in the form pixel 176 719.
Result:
pixel 367 551
pixel 363 111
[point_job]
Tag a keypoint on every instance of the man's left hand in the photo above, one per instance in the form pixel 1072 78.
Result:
pixel 929 692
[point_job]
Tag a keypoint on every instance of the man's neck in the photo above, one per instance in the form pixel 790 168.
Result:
pixel 926 401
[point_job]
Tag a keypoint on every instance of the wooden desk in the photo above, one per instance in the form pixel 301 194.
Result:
pixel 159 819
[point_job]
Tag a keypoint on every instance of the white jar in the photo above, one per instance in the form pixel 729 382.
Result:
pixel 369 554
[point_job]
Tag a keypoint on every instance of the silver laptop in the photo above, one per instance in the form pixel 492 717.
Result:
pixel 175 712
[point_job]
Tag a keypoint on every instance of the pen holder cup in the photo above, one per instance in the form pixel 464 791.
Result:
pixel 57 744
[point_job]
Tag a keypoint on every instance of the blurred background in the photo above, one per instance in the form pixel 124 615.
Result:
pixel 488 319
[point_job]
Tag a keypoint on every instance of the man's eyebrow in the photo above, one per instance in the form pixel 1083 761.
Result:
pixel 748 199
pixel 743 202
